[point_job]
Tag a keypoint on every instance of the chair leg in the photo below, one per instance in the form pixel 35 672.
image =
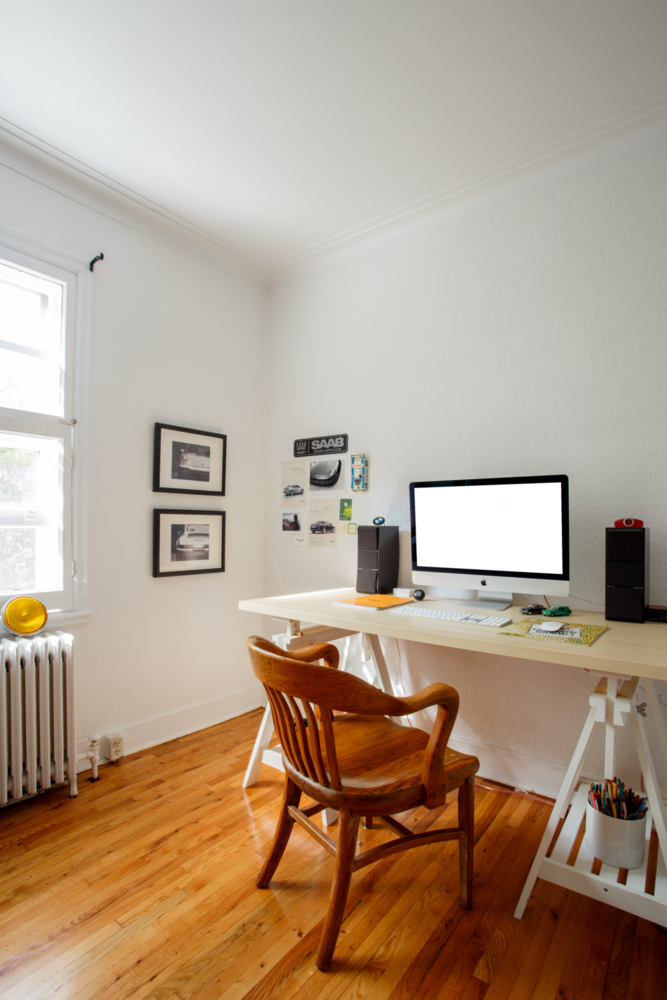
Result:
pixel 291 797
pixel 348 827
pixel 466 804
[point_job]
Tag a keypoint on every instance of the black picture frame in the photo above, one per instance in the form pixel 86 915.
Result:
pixel 205 472
pixel 174 545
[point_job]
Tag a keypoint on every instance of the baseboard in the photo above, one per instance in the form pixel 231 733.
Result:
pixel 162 728
pixel 519 770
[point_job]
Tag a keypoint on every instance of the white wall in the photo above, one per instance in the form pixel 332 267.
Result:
pixel 529 340
pixel 178 340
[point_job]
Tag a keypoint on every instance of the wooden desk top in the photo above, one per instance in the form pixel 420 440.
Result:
pixel 635 650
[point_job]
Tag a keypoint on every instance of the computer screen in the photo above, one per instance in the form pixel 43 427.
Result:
pixel 514 530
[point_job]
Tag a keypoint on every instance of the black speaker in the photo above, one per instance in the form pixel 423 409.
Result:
pixel 626 574
pixel 377 559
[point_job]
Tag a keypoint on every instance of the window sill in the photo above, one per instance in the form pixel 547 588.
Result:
pixel 60 620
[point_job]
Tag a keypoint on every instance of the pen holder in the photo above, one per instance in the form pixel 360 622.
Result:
pixel 616 842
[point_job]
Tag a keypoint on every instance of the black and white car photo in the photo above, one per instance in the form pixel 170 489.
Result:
pixel 292 491
pixel 190 541
pixel 325 473
pixel 191 461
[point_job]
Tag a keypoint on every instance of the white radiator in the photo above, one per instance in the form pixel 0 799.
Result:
pixel 37 716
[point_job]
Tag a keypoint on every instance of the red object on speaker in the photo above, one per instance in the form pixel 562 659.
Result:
pixel 628 522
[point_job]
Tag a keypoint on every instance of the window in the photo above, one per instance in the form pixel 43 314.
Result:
pixel 39 492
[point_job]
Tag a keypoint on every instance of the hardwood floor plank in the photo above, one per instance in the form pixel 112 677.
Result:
pixel 378 894
pixel 206 912
pixel 375 955
pixel 597 964
pixel 202 944
pixel 620 960
pixel 494 894
pixel 93 956
pixel 369 899
pixel 143 888
pixel 562 942
pixel 521 962
pixel 648 970
pixel 578 951
pixel 495 950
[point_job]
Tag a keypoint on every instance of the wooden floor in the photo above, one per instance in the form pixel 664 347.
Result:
pixel 143 887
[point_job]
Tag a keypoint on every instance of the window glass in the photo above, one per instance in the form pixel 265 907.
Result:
pixel 31 513
pixel 32 311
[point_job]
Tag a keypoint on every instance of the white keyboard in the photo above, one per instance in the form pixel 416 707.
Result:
pixel 449 616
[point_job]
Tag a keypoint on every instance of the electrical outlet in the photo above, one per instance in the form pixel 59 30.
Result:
pixel 115 748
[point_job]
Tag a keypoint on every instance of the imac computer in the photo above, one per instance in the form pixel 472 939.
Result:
pixel 495 536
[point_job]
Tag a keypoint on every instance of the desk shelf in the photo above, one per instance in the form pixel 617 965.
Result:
pixel 579 874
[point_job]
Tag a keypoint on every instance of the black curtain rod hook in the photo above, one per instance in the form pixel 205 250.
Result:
pixel 94 261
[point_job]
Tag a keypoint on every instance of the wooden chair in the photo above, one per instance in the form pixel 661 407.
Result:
pixel 360 763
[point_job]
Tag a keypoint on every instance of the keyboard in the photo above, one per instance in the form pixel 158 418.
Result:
pixel 449 616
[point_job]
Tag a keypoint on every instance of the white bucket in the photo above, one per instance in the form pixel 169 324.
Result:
pixel 617 842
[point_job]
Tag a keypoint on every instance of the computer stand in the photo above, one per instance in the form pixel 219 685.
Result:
pixel 490 600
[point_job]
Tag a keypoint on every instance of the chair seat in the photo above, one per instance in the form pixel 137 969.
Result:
pixel 377 757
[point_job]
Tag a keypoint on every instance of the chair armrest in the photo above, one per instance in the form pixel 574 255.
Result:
pixel 321 651
pixel 434 694
pixel 434 774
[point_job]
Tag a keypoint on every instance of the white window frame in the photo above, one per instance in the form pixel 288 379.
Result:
pixel 72 428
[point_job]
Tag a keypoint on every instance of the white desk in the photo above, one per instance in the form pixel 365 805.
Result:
pixel 622 656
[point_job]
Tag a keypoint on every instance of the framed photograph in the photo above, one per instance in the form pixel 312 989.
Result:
pixel 188 541
pixel 189 461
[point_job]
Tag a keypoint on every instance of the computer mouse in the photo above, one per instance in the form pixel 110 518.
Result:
pixel 419 595
pixel 549 626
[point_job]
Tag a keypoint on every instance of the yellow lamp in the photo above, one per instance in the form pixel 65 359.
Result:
pixel 24 615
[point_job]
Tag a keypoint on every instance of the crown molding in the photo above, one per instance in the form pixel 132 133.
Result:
pixel 619 138
pixel 28 155
pixel 603 145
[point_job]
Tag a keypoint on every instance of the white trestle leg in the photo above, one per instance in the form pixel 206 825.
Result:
pixel 611 703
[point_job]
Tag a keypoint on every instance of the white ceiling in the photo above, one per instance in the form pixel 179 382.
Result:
pixel 280 125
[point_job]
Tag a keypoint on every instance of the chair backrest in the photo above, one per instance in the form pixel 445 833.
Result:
pixel 303 698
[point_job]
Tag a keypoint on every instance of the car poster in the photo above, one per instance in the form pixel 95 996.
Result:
pixel 327 475
pixel 323 523
pixel 294 484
